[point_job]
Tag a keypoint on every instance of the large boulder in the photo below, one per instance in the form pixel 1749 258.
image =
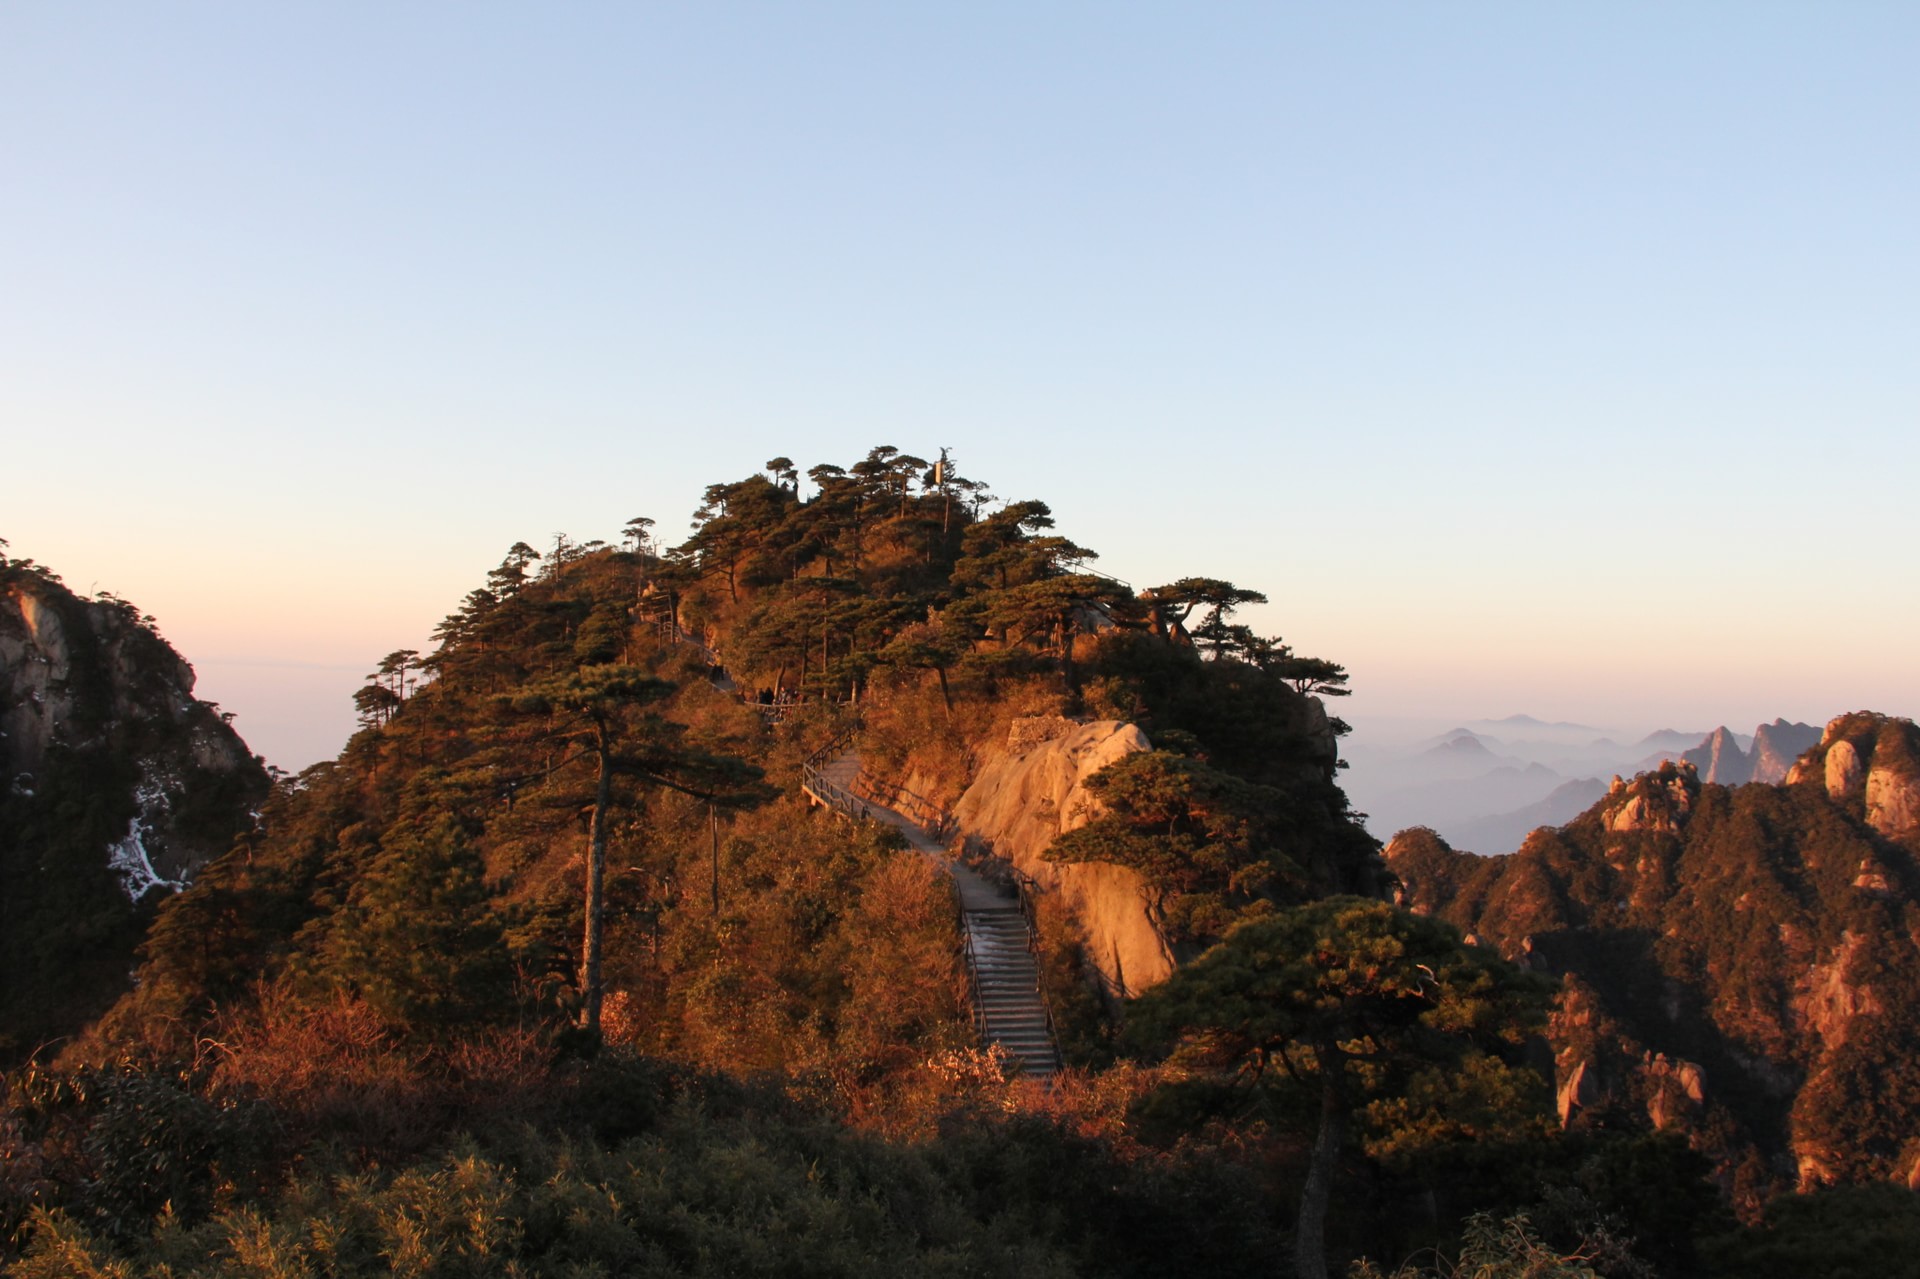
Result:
pixel 1030 791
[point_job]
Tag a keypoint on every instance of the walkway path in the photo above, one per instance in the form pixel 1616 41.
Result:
pixel 1008 1006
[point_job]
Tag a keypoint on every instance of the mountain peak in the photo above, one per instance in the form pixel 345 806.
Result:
pixel 1777 745
pixel 1719 759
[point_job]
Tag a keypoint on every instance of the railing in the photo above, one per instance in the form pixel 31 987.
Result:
pixel 670 630
pixel 814 782
pixel 1079 568
pixel 971 958
pixel 1025 889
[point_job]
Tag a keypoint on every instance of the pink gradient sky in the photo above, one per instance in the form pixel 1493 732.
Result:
pixel 1544 361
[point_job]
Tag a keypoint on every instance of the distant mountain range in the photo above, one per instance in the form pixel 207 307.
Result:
pixel 1774 747
pixel 1485 784
pixel 1737 965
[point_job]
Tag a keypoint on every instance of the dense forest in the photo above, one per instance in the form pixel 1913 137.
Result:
pixel 556 970
pixel 1740 963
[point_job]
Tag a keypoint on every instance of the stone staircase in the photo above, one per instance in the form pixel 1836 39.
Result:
pixel 1009 1007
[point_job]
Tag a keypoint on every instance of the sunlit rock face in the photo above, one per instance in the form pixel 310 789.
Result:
pixel 1656 801
pixel 1739 965
pixel 1869 764
pixel 1031 790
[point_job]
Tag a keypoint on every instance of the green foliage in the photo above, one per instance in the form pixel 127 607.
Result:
pixel 390 956
pixel 1351 993
pixel 634 1171
pixel 420 941
pixel 115 1145
pixel 1701 940
pixel 1507 1249
pixel 1209 842
pixel 1852 1232
pixel 1354 1003
pixel 1476 1098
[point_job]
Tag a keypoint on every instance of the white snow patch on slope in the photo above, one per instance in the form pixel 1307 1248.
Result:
pixel 127 856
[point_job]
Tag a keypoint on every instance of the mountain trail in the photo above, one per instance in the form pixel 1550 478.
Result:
pixel 1009 1007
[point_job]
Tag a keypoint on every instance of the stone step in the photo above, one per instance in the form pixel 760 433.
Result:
pixel 1008 1018
pixel 1036 1061
pixel 1004 971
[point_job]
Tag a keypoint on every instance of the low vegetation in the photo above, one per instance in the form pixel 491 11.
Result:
pixel 553 972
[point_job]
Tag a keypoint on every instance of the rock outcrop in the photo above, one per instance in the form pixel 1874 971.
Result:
pixel 1740 964
pixel 1030 791
pixel 1657 801
pixel 1869 764
pixel 116 785
pixel 79 676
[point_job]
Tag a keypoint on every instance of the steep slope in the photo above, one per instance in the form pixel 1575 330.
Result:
pixel 1033 789
pixel 881 608
pixel 1720 760
pixel 119 786
pixel 1504 832
pixel 1741 964
pixel 1777 745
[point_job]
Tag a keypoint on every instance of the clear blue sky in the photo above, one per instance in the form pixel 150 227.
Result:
pixel 1561 359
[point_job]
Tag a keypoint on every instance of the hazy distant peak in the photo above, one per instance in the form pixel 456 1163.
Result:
pixel 1528 721
pixel 1719 758
pixel 1777 745
pixel 1669 739
pixel 1465 744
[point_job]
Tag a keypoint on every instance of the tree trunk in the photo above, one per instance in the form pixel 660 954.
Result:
pixel 713 831
pixel 596 890
pixel 1310 1234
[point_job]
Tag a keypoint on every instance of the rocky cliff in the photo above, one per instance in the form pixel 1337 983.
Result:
pixel 118 786
pixel 1776 746
pixel 1030 790
pixel 1741 964
pixel 1720 760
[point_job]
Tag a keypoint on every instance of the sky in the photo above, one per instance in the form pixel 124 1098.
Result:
pixel 1549 359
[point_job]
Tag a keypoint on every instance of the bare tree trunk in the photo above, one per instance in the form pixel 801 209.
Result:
pixel 596 890
pixel 1310 1234
pixel 713 831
